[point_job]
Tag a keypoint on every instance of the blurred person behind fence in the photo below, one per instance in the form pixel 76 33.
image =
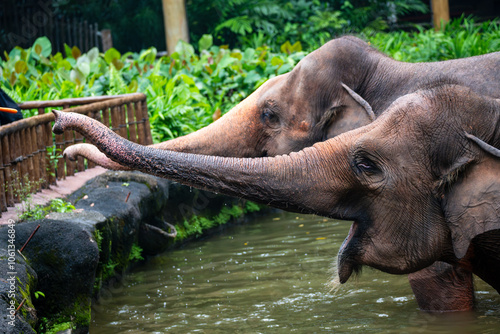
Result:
pixel 7 102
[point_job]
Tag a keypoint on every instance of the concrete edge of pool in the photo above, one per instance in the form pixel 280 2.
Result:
pixel 77 257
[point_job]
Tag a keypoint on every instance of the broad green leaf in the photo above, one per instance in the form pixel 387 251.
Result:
pixel 296 47
pixel 132 87
pixel 286 47
pixel 225 61
pixel 42 46
pixel 82 64
pixel 24 81
pixel 276 61
pixel 118 64
pixel 77 77
pixel 92 54
pixel 75 52
pixel 13 78
pixel 148 55
pixel 205 42
pixel 252 77
pixel 248 55
pixel 187 79
pixel 111 55
pixel 236 55
pixel 67 50
pixel 185 50
pixel 21 67
pixel 48 78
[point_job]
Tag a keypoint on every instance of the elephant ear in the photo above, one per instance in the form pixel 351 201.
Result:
pixel 350 113
pixel 471 201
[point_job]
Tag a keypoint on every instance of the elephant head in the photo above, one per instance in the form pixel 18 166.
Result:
pixel 285 114
pixel 315 101
pixel 403 179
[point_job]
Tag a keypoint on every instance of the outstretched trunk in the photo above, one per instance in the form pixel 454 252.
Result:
pixel 214 139
pixel 277 181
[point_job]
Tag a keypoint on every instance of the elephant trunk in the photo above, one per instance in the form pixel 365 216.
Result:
pixel 234 134
pixel 303 182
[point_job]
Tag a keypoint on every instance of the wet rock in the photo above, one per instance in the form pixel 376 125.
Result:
pixel 64 255
pixel 16 280
pixel 128 200
pixel 83 254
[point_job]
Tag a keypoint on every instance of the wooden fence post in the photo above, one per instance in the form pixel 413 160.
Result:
pixel 26 145
pixel 175 22
pixel 440 13
pixel 107 39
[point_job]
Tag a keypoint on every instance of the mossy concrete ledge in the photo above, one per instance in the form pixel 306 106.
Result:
pixel 120 219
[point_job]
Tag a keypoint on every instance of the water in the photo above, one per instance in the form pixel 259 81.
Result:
pixel 273 276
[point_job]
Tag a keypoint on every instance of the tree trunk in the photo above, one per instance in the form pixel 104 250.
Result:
pixel 440 13
pixel 175 21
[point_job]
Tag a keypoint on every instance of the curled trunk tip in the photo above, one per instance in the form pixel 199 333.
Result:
pixel 58 127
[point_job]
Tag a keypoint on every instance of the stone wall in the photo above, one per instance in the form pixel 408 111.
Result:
pixel 121 218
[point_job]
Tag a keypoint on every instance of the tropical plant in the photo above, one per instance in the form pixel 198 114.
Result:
pixel 459 38
pixel 195 85
pixel 312 22
pixel 185 90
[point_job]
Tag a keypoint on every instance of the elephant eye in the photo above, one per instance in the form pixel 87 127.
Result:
pixel 270 118
pixel 366 166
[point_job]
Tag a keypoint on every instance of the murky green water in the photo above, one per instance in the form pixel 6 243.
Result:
pixel 272 276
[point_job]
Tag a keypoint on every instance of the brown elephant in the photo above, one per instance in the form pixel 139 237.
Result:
pixel 315 102
pixel 418 182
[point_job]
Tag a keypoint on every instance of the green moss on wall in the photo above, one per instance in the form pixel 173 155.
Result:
pixel 196 225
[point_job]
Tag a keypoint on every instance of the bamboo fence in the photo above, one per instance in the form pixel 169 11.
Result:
pixel 31 155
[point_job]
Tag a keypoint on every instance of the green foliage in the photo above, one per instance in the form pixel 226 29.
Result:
pixel 39 294
pixel 135 253
pixel 23 189
pixel 53 154
pixel 184 89
pixel 196 225
pixel 108 270
pixel 52 327
pixel 188 89
pixel 40 211
pixel 98 238
pixel 251 207
pixel 311 22
pixel 460 38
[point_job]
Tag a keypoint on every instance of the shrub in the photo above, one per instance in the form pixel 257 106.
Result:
pixel 189 89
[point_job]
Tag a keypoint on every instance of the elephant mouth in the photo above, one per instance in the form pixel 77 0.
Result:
pixel 346 263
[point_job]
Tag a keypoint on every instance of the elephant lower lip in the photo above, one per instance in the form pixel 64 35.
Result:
pixel 345 265
pixel 352 230
pixel 345 271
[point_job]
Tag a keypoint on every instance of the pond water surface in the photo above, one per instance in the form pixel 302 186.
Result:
pixel 272 276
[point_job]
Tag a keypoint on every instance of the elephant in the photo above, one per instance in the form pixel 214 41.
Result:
pixel 316 101
pixel 420 182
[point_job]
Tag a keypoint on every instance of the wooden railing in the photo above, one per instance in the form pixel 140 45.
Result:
pixel 30 154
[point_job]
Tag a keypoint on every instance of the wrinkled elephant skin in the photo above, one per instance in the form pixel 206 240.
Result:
pixel 403 179
pixel 310 104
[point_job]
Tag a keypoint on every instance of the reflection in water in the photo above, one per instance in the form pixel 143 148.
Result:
pixel 272 275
